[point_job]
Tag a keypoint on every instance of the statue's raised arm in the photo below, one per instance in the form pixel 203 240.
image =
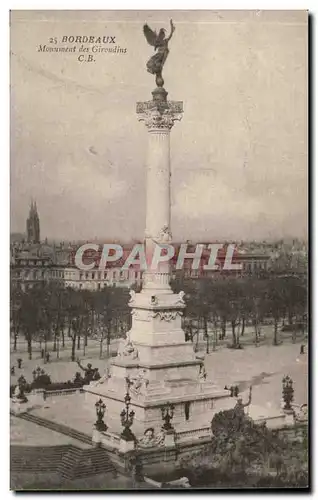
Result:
pixel 160 43
pixel 172 30
pixel 80 365
pixel 249 398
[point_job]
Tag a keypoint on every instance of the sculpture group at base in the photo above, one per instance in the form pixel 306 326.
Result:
pixel 91 374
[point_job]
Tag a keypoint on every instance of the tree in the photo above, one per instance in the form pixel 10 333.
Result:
pixel 30 316
pixel 205 307
pixel 58 311
pixel 112 312
pixel 275 303
pixel 296 298
pixel 75 312
pixel 240 447
pixel 46 315
pixel 15 313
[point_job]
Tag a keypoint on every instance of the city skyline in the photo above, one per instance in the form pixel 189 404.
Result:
pixel 77 147
pixel 19 236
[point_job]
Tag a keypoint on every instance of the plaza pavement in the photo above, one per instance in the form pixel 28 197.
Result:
pixel 24 433
pixel 262 367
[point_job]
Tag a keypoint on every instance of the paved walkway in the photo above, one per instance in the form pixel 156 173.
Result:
pixel 263 368
pixel 59 370
pixel 23 433
pixel 69 410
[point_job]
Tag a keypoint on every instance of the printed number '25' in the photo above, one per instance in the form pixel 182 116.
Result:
pixel 53 40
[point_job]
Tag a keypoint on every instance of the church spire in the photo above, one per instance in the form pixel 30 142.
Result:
pixel 33 224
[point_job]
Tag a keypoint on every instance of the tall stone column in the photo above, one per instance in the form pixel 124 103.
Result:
pixel 154 362
pixel 159 116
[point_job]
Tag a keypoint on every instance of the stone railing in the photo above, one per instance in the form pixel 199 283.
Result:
pixel 202 433
pixel 110 438
pixel 44 394
pixel 64 392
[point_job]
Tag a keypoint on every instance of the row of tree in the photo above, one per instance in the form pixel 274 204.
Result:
pixel 55 314
pixel 52 313
pixel 214 304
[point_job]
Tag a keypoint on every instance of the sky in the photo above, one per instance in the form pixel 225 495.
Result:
pixel 238 156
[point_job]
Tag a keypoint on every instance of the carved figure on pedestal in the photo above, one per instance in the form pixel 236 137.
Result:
pixel 181 296
pixel 132 294
pixel 150 439
pixel 103 379
pixel 127 348
pixel 165 235
pixel 89 371
pixel 19 392
pixel 301 413
pixel 140 383
pixel 239 407
pixel 202 372
pixel 167 413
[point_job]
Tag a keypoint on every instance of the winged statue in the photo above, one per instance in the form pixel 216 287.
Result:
pixel 160 43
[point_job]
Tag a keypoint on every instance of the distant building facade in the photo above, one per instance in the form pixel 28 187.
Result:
pixel 250 264
pixel 71 276
pixel 35 263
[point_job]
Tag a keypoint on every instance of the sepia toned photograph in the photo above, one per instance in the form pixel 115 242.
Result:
pixel 159 311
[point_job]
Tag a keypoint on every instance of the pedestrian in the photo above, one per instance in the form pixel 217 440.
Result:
pixel 19 361
pixel 47 357
pixel 42 353
pixel 302 349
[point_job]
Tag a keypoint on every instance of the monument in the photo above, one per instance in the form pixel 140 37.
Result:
pixel 155 364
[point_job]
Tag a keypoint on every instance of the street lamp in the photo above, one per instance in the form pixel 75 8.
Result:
pixel 288 392
pixel 100 412
pixel 167 414
pixel 127 417
pixel 22 384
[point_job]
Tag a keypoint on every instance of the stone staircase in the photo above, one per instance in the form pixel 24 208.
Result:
pixel 82 463
pixel 36 458
pixel 68 461
pixel 54 426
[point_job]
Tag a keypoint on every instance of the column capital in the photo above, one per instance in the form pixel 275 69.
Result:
pixel 159 115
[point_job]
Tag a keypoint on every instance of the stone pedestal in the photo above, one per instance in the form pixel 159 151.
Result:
pixel 289 417
pixel 125 446
pixel 170 439
pixel 155 357
pixel 96 437
pixel 19 406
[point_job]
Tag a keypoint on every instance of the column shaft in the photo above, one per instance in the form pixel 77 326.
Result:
pixel 158 183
